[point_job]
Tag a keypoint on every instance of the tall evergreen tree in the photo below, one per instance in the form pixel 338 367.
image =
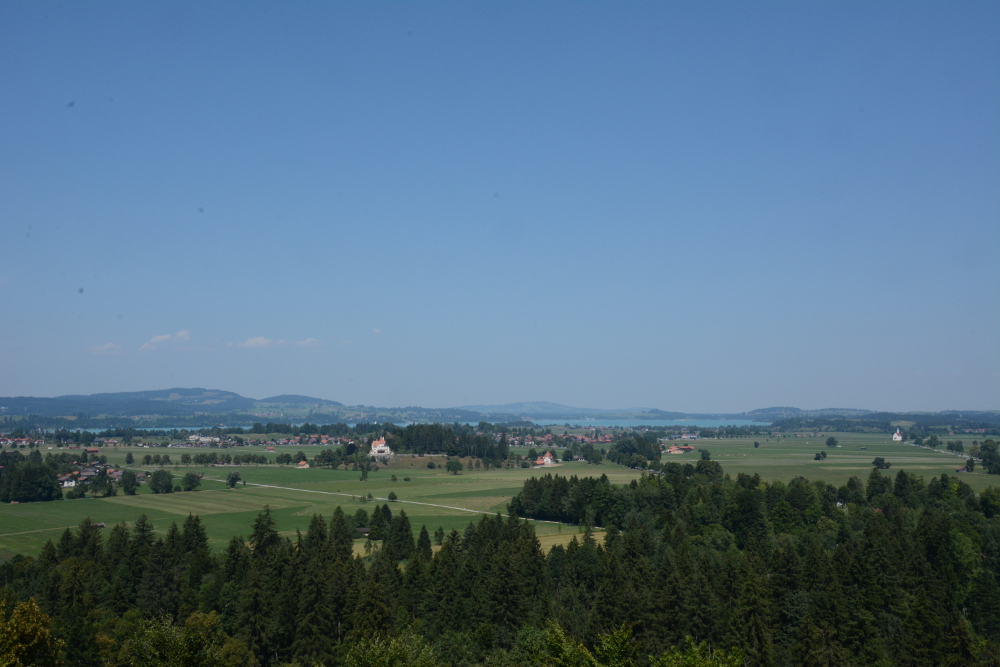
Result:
pixel 399 537
pixel 157 595
pixel 424 544
pixel 341 535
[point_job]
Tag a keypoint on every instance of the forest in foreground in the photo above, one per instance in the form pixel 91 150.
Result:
pixel 692 568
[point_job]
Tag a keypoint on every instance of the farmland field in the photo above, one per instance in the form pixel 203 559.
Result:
pixel 433 497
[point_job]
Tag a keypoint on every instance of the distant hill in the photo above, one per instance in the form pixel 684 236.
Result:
pixel 532 408
pixel 295 399
pixel 775 414
pixel 198 407
pixel 167 402
pixel 546 410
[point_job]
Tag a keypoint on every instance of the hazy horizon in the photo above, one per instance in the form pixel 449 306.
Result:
pixel 691 206
pixel 513 405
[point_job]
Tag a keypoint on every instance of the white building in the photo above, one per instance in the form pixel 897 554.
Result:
pixel 897 436
pixel 546 459
pixel 379 448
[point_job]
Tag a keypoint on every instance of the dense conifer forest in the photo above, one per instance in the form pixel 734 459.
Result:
pixel 691 568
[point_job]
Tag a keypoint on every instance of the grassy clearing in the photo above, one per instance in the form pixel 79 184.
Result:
pixel 432 497
pixel 787 458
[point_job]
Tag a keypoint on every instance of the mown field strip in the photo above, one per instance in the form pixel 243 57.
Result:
pixel 349 495
pixel 40 530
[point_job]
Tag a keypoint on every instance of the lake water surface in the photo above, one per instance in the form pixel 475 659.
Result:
pixel 663 423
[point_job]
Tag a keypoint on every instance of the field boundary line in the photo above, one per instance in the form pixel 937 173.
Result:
pixel 354 495
pixel 40 530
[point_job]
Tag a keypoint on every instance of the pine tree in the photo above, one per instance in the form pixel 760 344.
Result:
pixel 89 543
pixel 377 526
pixel 922 632
pixel 313 632
pixel 252 614
pixel 157 595
pixel 264 536
pixel 414 584
pixel 371 614
pixel 193 535
pixel 698 605
pixel 753 615
pixel 341 535
pixel 117 548
pixel 316 535
pixel 424 544
pixel 809 647
pixel 399 538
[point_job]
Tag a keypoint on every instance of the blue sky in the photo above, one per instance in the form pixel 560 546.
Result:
pixel 689 206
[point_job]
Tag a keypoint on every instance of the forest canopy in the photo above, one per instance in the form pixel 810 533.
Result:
pixel 890 570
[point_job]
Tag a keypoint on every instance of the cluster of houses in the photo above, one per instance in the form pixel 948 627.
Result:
pixel 6 441
pixel 546 439
pixel 679 449
pixel 70 480
pixel 301 465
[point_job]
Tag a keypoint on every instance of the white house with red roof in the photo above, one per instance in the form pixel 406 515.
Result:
pixel 546 459
pixel 379 448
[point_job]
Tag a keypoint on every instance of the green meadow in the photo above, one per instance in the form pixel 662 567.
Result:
pixel 433 497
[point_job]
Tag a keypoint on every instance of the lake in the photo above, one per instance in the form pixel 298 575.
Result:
pixel 663 423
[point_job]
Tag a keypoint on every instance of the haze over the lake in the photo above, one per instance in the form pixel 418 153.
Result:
pixel 688 206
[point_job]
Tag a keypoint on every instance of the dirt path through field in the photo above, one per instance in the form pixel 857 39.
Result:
pixel 354 495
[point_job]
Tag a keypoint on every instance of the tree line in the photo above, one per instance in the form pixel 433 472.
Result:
pixel 891 570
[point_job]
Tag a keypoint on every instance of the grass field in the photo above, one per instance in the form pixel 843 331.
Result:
pixel 433 497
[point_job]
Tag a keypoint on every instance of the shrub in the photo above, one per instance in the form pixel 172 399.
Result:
pixel 161 481
pixel 190 481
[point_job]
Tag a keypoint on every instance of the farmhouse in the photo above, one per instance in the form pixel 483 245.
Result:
pixel 379 448
pixel 546 459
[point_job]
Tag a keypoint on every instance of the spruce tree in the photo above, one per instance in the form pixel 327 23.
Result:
pixel 424 544
pixel 264 536
pixel 252 614
pixel 316 535
pixel 157 595
pixel 371 614
pixel 313 632
pixel 376 526
pixel 341 535
pixel 399 538
pixel 753 615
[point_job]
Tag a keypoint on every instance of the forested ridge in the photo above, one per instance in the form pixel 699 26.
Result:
pixel 892 570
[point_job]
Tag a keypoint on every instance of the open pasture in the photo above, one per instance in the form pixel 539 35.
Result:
pixel 433 497
pixel 788 457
